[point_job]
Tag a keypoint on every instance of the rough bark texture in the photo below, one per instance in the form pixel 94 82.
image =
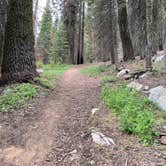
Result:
pixel 3 5
pixel 106 25
pixel 128 52
pixel 136 10
pixel 150 33
pixel 70 18
pixel 19 61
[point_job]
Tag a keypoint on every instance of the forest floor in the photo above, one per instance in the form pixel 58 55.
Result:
pixel 56 130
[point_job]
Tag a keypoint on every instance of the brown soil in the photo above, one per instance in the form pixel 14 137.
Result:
pixel 55 131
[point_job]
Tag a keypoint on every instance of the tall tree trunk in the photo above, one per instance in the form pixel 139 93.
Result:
pixel 3 10
pixel 114 27
pixel 19 61
pixel 82 33
pixel 80 54
pixel 70 17
pixel 149 20
pixel 128 52
pixel 35 20
pixel 79 34
pixel 136 11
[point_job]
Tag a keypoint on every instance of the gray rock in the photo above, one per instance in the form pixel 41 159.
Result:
pixel 156 93
pixel 123 72
pixel 146 75
pixel 101 139
pixel 135 85
pixel 162 102
pixel 158 57
pixel 158 96
pixel 95 110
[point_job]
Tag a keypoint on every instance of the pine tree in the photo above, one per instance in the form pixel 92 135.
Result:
pixel 3 10
pixel 45 33
pixel 59 44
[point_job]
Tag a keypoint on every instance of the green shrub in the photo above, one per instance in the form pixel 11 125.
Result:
pixel 44 82
pixel 134 110
pixel 16 96
pixel 50 73
pixel 93 71
pixel 107 79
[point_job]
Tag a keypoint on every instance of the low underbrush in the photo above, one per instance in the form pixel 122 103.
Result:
pixel 94 71
pixel 16 96
pixel 50 73
pixel 134 111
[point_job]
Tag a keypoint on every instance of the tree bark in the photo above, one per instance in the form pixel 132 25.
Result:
pixel 149 29
pixel 70 17
pixel 136 11
pixel 3 10
pixel 128 52
pixel 19 61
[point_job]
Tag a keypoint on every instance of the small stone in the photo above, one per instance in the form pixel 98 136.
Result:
pixel 163 140
pixel 146 88
pixel 40 71
pixel 73 152
pixel 92 162
pixel 74 157
pixel 135 85
pixel 146 75
pixel 127 77
pixel 95 110
pixel 123 72
pixel 164 127
pixel 101 139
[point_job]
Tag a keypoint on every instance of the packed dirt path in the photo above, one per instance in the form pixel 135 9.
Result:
pixel 57 131
pixel 60 128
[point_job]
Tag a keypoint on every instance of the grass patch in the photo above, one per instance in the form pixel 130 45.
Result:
pixel 135 111
pixel 94 71
pixel 107 79
pixel 16 96
pixel 50 73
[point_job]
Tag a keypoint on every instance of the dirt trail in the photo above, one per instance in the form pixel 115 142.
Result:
pixel 57 131
pixel 64 116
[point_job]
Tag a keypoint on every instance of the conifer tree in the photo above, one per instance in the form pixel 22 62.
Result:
pixel 45 33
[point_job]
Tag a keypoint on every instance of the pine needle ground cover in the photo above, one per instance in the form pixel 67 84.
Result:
pixel 134 111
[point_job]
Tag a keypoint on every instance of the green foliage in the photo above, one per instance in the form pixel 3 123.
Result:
pixel 51 72
pixel 16 96
pixel 107 79
pixel 59 44
pixel 93 71
pixel 44 82
pixel 134 110
pixel 45 31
